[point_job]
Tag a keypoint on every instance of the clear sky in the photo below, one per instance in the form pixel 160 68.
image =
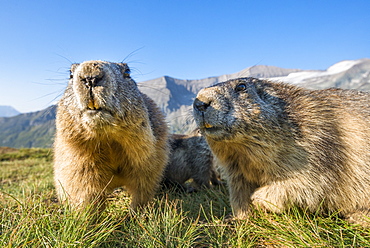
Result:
pixel 186 39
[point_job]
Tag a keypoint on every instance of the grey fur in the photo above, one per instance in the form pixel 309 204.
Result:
pixel 190 158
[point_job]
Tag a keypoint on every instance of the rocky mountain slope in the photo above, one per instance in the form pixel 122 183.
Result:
pixel 175 96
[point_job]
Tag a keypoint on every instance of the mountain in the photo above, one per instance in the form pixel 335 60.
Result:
pixel 175 97
pixel 34 129
pixel 8 111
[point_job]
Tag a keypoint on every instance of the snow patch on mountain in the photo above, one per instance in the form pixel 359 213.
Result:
pixel 299 77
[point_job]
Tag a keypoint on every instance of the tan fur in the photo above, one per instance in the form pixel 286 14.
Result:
pixel 282 145
pixel 109 134
pixel 190 158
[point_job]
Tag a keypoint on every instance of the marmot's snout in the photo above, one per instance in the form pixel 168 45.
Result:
pixel 90 83
pixel 201 106
pixel 203 100
pixel 91 74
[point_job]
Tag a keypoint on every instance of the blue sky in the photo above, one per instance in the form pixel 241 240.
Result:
pixel 183 39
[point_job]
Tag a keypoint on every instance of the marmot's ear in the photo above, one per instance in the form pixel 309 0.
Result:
pixel 259 91
pixel 72 69
pixel 125 70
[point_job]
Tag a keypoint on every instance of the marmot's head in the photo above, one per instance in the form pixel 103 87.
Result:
pixel 236 108
pixel 103 93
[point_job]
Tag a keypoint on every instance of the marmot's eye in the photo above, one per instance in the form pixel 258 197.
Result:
pixel 126 74
pixel 240 87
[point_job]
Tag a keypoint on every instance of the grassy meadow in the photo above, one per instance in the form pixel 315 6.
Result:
pixel 32 217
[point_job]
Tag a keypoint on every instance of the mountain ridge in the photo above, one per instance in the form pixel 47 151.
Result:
pixel 175 96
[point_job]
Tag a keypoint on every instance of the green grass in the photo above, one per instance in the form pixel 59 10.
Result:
pixel 31 217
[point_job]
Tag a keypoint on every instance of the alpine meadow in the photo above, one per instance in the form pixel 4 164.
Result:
pixel 32 216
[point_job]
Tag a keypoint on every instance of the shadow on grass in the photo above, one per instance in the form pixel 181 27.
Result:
pixel 201 204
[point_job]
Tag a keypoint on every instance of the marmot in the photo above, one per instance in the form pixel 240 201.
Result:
pixel 283 145
pixel 109 134
pixel 190 158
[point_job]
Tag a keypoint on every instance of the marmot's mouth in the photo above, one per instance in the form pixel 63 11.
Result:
pixel 212 129
pixel 92 111
pixel 93 105
pixel 100 111
pixel 207 125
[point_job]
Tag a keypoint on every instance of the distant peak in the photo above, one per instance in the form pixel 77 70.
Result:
pixel 8 111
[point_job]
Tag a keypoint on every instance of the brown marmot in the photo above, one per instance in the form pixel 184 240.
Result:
pixel 109 134
pixel 190 158
pixel 283 145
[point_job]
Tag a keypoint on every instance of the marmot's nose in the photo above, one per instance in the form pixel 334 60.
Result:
pixel 201 105
pixel 91 81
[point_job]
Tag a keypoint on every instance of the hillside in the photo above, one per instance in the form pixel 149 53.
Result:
pixel 175 96
pixel 34 129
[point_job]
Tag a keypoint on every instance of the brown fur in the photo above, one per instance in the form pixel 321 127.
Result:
pixel 190 158
pixel 282 145
pixel 109 134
